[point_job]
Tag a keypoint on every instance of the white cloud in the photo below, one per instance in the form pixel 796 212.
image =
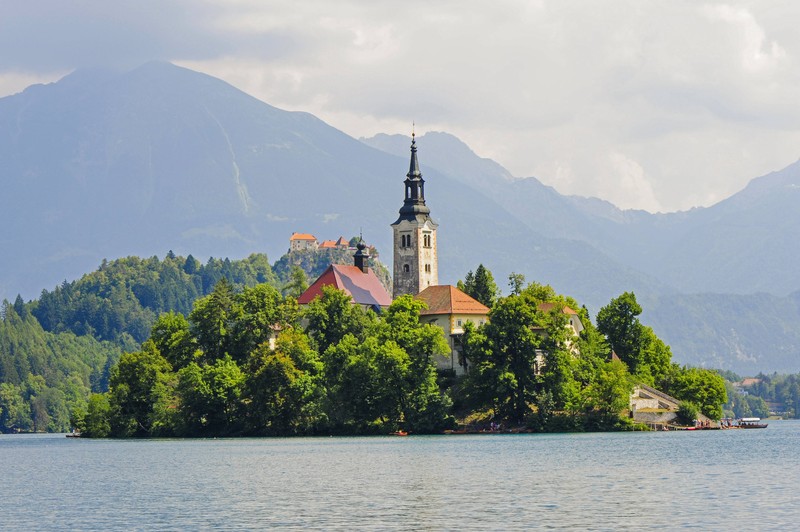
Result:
pixel 651 105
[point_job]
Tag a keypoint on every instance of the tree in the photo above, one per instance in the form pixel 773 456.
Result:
pixel 297 284
pixel 172 338
pixel 210 397
pixel 258 311
pixel 211 320
pixel 331 316
pixel 502 357
pixel 142 386
pixel 283 387
pixel 516 282
pixel 703 388
pixel 480 286
pixel 646 355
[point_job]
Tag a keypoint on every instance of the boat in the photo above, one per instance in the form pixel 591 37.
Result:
pixel 74 434
pixel 399 433
pixel 752 423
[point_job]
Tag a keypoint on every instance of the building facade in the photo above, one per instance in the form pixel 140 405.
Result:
pixel 416 262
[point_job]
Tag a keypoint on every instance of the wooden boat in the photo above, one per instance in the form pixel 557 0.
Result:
pixel 399 433
pixel 752 423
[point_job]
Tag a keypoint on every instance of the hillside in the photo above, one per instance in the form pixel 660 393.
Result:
pixel 106 164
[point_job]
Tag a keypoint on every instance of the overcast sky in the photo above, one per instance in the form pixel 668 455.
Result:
pixel 658 105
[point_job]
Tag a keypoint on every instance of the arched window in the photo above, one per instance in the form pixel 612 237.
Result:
pixel 406 268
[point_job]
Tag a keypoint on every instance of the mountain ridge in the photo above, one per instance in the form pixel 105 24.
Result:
pixel 106 164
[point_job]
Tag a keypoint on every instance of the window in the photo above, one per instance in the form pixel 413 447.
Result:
pixel 426 240
pixel 406 269
pixel 458 322
pixel 428 268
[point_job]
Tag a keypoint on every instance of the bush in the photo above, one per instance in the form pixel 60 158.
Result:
pixel 687 412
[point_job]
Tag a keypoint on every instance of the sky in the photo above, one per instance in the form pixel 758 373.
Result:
pixel 655 105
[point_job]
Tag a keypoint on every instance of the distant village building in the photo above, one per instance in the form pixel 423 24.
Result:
pixel 416 264
pixel 302 241
pixel 451 309
pixel 335 244
pixel 357 281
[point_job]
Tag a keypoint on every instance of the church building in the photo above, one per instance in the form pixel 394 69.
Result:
pixel 415 259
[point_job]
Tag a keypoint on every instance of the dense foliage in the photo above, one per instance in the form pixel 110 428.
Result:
pixel 223 349
pixel 44 376
pixel 124 297
pixel 241 364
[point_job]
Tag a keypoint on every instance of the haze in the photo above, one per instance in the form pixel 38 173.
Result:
pixel 657 106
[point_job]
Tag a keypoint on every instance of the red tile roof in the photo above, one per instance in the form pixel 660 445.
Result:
pixel 364 288
pixel 302 236
pixel 547 307
pixel 447 299
pixel 328 244
pixel 342 242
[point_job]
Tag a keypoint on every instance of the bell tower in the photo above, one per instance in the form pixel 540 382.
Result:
pixel 416 263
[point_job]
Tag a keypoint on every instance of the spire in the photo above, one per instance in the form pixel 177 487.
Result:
pixel 413 170
pixel 361 257
pixel 414 202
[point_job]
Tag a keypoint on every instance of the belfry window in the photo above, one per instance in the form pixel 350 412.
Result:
pixel 406 268
pixel 426 240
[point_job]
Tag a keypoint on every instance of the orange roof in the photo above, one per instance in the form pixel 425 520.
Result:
pixel 328 244
pixel 447 299
pixel 364 288
pixel 342 242
pixel 547 307
pixel 302 236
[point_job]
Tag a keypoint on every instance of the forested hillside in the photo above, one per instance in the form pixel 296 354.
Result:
pixel 57 349
pixel 43 375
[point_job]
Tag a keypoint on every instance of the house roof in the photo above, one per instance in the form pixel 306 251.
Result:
pixel 328 244
pixel 302 236
pixel 342 242
pixel 447 299
pixel 547 307
pixel 364 288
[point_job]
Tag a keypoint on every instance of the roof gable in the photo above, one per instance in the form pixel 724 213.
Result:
pixel 447 299
pixel 302 236
pixel 364 288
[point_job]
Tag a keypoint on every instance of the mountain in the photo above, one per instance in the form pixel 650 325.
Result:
pixel 105 164
pixel 741 245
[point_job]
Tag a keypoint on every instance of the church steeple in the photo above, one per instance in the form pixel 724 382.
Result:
pixel 415 257
pixel 414 203
pixel 361 257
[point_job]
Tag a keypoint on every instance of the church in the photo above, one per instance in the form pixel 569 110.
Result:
pixel 415 272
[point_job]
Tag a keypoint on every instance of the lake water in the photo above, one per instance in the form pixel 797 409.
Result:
pixel 724 480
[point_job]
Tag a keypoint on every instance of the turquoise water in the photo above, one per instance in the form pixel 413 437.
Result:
pixel 723 480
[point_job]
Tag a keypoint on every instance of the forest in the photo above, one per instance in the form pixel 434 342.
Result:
pixel 172 347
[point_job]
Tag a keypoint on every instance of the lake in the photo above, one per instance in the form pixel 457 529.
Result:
pixel 724 480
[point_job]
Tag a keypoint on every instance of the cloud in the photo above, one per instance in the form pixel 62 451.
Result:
pixel 652 105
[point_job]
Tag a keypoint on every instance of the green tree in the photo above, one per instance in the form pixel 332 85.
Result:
pixel 635 344
pixel 480 286
pixel 332 315
pixel 297 284
pixel 283 387
pixel 211 320
pixel 701 387
pixel 142 386
pixel 210 397
pixel 172 338
pixel 502 358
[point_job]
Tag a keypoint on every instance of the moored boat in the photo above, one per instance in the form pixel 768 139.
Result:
pixel 752 423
